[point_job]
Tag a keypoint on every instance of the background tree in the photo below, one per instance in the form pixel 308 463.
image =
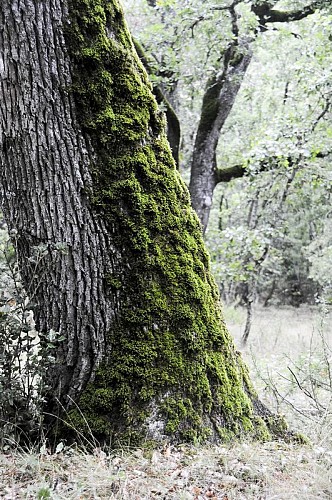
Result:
pixel 279 125
pixel 89 183
pixel 224 38
pixel 291 199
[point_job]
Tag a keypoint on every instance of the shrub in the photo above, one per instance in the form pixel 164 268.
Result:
pixel 24 354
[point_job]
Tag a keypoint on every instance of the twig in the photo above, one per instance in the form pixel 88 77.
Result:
pixel 227 7
pixel 305 391
pixel 321 115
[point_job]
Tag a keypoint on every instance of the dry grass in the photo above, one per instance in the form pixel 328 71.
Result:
pixel 243 471
pixel 279 338
pixel 289 353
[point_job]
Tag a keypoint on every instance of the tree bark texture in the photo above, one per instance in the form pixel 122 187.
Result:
pixel 45 181
pixel 218 102
pixel 87 173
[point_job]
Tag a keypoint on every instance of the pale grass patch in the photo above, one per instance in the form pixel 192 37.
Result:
pixel 241 471
pixel 289 353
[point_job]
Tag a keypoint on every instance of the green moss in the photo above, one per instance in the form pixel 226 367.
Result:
pixel 225 435
pixel 260 431
pixel 170 362
pixel 277 423
pixel 210 106
pixel 300 438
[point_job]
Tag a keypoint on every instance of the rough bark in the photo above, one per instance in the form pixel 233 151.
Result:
pixel 85 165
pixel 45 180
pixel 218 102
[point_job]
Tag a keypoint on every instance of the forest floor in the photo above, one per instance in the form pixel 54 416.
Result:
pixel 290 357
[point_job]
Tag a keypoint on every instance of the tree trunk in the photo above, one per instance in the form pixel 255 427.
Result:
pixel 88 181
pixel 45 185
pixel 218 102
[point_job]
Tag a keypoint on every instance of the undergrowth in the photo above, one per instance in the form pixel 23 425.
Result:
pixel 25 353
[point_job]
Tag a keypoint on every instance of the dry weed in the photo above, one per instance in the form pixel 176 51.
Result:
pixel 242 471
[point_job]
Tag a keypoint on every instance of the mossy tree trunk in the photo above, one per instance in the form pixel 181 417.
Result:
pixel 86 172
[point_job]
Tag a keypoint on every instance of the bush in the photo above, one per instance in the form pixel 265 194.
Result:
pixel 24 356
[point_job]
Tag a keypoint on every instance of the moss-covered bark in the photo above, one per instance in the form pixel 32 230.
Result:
pixel 171 367
pixel 173 124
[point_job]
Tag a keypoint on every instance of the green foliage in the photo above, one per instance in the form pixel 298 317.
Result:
pixel 319 254
pixel 279 124
pixel 25 354
pixel 265 239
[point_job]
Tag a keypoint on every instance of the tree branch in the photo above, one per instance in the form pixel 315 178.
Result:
pixel 267 14
pixel 238 171
pixel 322 114
pixel 227 174
pixel 227 7
pixel 230 8
pixel 235 27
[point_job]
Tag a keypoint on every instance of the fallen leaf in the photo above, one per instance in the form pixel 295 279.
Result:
pixel 197 491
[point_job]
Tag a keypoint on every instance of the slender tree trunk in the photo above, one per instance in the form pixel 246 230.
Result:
pixel 247 327
pixel 87 176
pixel 218 102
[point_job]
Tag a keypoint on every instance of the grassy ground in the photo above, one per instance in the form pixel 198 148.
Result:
pixel 289 356
pixel 289 353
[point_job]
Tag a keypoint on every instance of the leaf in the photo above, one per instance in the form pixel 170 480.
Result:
pixel 43 450
pixel 59 447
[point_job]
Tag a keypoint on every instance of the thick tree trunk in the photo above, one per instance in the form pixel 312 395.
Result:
pixel 218 102
pixel 87 173
pixel 45 181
